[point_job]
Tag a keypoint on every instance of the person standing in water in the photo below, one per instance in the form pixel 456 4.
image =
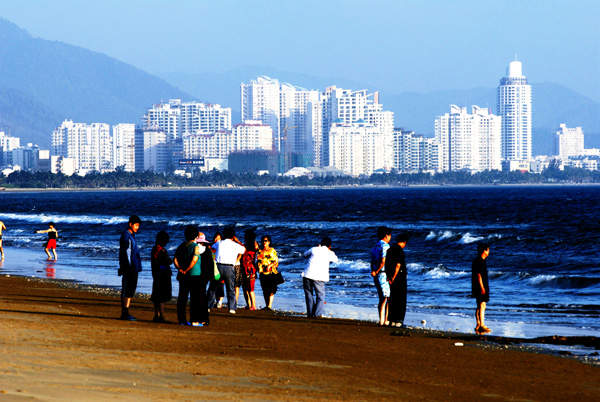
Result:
pixel 378 255
pixel 480 287
pixel 51 243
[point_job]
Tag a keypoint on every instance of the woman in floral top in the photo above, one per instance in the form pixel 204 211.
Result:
pixel 267 262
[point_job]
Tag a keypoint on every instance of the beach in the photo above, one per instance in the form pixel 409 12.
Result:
pixel 62 343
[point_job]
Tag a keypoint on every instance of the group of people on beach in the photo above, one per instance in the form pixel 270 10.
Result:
pixel 388 268
pixel 203 267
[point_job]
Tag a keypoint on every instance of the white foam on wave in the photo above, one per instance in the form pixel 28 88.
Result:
pixel 42 218
pixel 438 273
pixel 540 279
pixel 468 238
pixel 351 265
pixel 445 235
pixel 431 236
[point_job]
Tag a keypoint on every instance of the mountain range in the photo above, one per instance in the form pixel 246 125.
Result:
pixel 44 82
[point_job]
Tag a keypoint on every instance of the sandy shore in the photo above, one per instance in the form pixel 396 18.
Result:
pixel 61 343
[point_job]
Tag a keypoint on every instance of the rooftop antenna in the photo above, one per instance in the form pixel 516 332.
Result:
pixel 516 57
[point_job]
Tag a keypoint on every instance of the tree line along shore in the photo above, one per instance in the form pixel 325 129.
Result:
pixel 215 178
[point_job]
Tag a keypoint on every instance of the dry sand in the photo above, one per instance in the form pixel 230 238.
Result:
pixel 61 343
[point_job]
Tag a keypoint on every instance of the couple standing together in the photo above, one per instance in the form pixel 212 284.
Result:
pixel 388 268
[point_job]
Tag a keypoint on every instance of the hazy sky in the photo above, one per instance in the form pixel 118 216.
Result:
pixel 400 45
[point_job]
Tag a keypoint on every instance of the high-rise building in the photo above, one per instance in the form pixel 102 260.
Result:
pixel 414 153
pixel 568 142
pixel 151 152
pixel 89 145
pixel 284 108
pixel 514 107
pixel 250 136
pixel 177 118
pixel 124 146
pixel 357 149
pixel 337 105
pixel 7 145
pixel 469 141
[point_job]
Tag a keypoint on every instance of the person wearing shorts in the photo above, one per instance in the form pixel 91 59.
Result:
pixel 130 264
pixel 51 243
pixel 378 254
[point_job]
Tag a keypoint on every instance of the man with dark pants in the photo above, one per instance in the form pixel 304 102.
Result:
pixel 130 264
pixel 227 253
pixel 315 275
pixel 480 287
pixel 395 266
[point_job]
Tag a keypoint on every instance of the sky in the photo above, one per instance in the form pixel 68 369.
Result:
pixel 421 45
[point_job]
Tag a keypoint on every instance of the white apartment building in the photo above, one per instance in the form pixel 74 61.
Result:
pixel 151 152
pixel 7 145
pixel 414 153
pixel 177 118
pixel 337 105
pixel 250 136
pixel 469 141
pixel 90 146
pixel 568 142
pixel 514 107
pixel 124 146
pixel 261 100
pixel 284 108
pixel 357 149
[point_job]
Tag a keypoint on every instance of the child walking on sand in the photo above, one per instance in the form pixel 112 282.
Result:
pixel 51 243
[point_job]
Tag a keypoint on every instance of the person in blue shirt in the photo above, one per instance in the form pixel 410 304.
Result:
pixel 130 264
pixel 378 254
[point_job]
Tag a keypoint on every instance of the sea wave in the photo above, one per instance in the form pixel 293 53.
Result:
pixel 564 281
pixel 43 218
pixel 468 238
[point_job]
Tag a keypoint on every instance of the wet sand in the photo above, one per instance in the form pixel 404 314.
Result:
pixel 61 343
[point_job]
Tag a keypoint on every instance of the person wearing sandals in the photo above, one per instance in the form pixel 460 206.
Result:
pixel 187 262
pixel 267 262
pixel 480 287
pixel 161 276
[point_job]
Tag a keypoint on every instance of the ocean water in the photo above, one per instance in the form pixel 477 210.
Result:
pixel 544 263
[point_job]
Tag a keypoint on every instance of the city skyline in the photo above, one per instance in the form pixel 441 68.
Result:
pixel 400 46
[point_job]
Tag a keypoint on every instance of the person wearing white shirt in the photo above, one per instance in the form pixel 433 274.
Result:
pixel 315 275
pixel 227 253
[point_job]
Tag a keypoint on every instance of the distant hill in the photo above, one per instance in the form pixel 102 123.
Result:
pixel 553 103
pixel 43 82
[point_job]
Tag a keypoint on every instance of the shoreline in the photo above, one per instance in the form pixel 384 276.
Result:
pixel 31 265
pixel 258 188
pixel 65 343
pixel 538 344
